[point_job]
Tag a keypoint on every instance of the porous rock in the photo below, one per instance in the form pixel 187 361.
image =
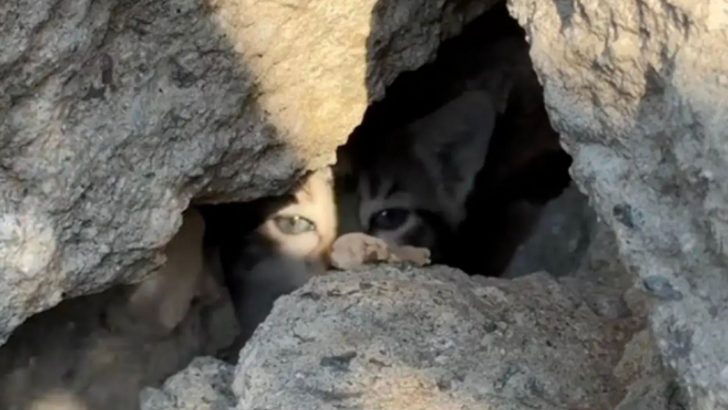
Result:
pixel 113 115
pixel 430 338
pixel 638 90
pixel 90 353
pixel 569 243
pixel 203 385
pixel 559 241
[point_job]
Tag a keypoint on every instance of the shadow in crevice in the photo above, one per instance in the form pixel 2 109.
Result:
pixel 176 65
pixel 524 167
pixel 172 111
pixel 75 352
pixel 271 246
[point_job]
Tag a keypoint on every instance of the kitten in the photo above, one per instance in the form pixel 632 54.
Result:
pixel 271 246
pixel 466 181
pixel 413 189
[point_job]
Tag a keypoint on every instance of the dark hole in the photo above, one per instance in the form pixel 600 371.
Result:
pixel 524 166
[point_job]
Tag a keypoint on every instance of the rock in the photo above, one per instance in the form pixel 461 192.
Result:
pixel 78 356
pixel 639 92
pixel 355 250
pixel 114 116
pixel 603 283
pixel 559 240
pixel 203 385
pixel 650 386
pixel 430 338
pixel 570 243
pixel 581 252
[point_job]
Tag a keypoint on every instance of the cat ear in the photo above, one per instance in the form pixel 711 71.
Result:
pixel 453 142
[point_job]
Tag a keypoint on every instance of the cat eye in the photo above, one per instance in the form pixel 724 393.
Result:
pixel 389 219
pixel 293 224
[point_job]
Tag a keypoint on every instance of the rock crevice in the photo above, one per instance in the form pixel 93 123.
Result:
pixel 114 117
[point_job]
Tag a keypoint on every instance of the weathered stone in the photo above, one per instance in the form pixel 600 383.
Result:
pixel 638 90
pixel 650 386
pixel 114 115
pixel 559 240
pixel 203 385
pixel 88 354
pixel 430 338
pixel 602 282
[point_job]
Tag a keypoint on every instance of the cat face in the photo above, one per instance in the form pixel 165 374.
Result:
pixel 413 189
pixel 271 246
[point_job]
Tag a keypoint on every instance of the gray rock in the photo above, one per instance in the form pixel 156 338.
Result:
pixel 432 338
pixel 602 282
pixel 559 240
pixel 639 92
pixel 80 356
pixel 650 386
pixel 203 385
pixel 114 115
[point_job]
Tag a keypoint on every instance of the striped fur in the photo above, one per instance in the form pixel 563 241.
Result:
pixel 412 190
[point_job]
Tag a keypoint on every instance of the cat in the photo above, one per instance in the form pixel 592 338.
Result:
pixel 271 246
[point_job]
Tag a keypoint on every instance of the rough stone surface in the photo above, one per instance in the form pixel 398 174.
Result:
pixel 571 244
pixel 603 283
pixel 203 385
pixel 560 239
pixel 639 91
pixel 609 290
pixel 81 355
pixel 430 338
pixel 650 386
pixel 113 115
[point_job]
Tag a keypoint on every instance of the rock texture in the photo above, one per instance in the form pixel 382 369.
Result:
pixel 113 115
pixel 559 240
pixel 203 385
pixel 82 355
pixel 430 338
pixel 639 91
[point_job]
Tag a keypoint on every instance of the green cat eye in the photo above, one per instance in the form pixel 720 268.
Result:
pixel 293 224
